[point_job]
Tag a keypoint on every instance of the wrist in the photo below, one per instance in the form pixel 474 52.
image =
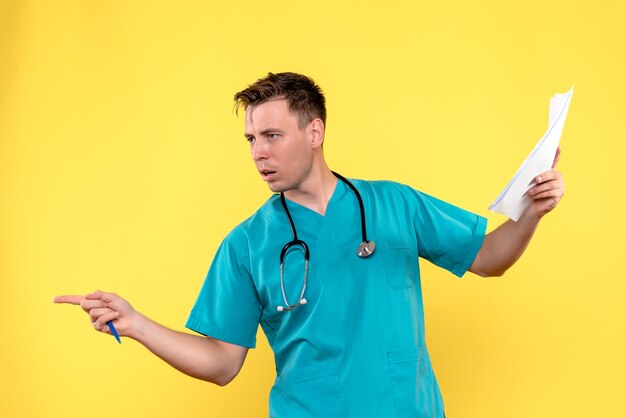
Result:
pixel 139 325
pixel 530 216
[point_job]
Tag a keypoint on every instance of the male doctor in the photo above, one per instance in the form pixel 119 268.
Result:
pixel 341 306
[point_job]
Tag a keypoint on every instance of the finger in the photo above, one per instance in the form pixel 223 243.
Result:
pixel 549 194
pixel 96 313
pixel 71 299
pixel 556 157
pixel 94 295
pixel 101 323
pixel 545 186
pixel 547 176
pixel 553 188
pixel 88 304
pixel 104 296
pixel 546 205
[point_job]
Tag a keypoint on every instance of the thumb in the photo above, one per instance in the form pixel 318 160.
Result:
pixel 556 157
pixel 100 295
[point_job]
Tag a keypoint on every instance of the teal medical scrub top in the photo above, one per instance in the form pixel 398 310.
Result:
pixel 357 348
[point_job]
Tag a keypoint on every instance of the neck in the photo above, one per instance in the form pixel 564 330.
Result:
pixel 316 191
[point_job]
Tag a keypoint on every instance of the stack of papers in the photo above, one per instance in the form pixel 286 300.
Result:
pixel 513 201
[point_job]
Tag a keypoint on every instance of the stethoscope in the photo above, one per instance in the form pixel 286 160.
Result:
pixel 365 248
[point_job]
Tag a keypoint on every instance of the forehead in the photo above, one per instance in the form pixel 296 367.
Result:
pixel 274 113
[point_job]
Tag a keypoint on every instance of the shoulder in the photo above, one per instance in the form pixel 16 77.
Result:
pixel 395 193
pixel 386 189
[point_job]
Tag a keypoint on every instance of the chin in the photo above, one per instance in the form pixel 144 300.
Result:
pixel 277 187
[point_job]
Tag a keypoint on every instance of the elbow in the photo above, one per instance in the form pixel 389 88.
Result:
pixel 491 272
pixel 223 363
pixel 221 382
pixel 224 378
pixel 483 267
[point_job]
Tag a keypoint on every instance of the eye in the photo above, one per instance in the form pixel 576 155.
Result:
pixel 250 139
pixel 272 136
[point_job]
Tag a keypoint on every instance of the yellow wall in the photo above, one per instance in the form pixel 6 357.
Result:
pixel 122 167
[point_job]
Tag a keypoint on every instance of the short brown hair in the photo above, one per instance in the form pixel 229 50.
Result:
pixel 306 99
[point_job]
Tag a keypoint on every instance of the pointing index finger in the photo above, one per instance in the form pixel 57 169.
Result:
pixel 72 299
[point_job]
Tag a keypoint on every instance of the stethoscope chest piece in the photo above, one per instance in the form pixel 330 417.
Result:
pixel 366 248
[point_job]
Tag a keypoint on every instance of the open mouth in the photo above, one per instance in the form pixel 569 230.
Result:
pixel 266 173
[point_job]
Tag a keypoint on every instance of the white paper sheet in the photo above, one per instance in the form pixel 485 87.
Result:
pixel 513 200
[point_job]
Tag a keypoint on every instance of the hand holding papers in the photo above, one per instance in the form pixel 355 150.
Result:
pixel 513 200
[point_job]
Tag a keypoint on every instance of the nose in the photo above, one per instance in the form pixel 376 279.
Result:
pixel 258 149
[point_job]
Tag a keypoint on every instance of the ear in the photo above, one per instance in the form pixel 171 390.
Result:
pixel 316 132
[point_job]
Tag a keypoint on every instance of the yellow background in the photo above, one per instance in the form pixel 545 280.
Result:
pixel 122 167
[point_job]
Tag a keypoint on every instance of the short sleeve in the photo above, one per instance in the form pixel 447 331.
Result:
pixel 228 306
pixel 447 235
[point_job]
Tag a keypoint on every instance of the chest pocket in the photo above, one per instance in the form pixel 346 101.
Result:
pixel 397 265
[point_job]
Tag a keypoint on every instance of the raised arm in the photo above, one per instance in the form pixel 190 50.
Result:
pixel 506 244
pixel 197 356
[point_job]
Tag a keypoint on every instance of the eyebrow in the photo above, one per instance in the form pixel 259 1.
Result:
pixel 271 130
pixel 265 132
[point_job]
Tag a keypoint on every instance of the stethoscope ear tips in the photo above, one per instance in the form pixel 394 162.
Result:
pixel 280 309
pixel 303 301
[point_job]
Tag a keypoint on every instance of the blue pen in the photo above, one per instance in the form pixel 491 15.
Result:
pixel 114 331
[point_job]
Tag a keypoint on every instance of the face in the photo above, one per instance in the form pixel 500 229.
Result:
pixel 282 151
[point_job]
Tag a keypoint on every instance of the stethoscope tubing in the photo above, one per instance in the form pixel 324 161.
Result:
pixel 361 205
pixel 365 249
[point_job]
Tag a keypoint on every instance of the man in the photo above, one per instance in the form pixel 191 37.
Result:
pixel 347 330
